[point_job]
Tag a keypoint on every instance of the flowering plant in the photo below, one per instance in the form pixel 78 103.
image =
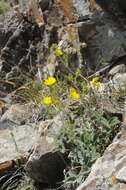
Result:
pixel 50 81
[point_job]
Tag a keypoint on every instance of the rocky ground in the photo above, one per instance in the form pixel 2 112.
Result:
pixel 26 36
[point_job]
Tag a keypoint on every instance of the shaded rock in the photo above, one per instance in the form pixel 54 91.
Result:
pixel 48 168
pixel 44 165
pixel 18 52
pixel 0 112
pixel 2 36
pixel 20 39
pixel 103 34
pixel 114 7
pixel 44 4
pixel 109 167
pixel 122 4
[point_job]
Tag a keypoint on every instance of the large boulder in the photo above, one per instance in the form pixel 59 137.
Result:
pixel 16 137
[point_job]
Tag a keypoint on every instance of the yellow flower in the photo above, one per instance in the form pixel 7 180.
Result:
pixel 59 52
pixel 95 81
pixel 50 81
pixel 47 100
pixel 113 180
pixel 73 93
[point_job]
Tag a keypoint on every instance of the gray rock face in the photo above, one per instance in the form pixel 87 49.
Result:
pixel 16 141
pixel 82 8
pixel 16 137
pixel 17 114
pixel 105 40
pixel 109 171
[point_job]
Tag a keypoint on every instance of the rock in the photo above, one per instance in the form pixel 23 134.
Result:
pixel 16 141
pixel 7 27
pixel 44 165
pixel 11 56
pixel 111 94
pixel 2 36
pixel 67 10
pixel 109 171
pixel 121 175
pixel 117 69
pixel 44 4
pixel 103 3
pixel 122 4
pixel 17 113
pixel 115 8
pixel 48 168
pixel 104 36
pixel 119 81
